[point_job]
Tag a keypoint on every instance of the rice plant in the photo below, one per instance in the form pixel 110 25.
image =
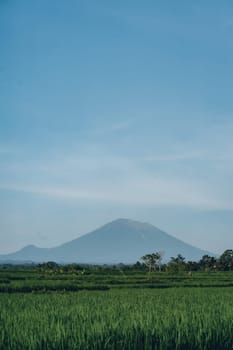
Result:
pixel 176 318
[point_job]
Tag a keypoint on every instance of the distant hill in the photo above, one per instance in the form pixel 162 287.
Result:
pixel 119 241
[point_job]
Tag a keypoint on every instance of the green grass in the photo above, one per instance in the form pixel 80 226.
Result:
pixel 31 280
pixel 176 318
pixel 115 310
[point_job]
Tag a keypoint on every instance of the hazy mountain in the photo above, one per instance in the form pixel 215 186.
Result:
pixel 122 240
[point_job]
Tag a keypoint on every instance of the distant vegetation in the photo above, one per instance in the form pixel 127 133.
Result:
pixel 206 263
pixel 151 261
pixel 150 272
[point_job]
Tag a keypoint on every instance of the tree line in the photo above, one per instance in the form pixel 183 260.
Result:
pixel 153 262
pixel 149 262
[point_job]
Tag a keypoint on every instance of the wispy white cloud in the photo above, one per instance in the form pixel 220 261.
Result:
pixel 199 155
pixel 195 176
pixel 133 190
pixel 54 192
pixel 175 156
pixel 110 128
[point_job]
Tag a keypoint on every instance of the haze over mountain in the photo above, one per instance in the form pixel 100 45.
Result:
pixel 122 240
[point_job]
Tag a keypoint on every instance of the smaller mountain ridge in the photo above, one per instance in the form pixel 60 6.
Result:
pixel 120 241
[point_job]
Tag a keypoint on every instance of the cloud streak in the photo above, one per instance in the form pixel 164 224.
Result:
pixel 135 191
pixel 112 128
pixel 196 177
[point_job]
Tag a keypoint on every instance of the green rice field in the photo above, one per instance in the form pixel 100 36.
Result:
pixel 118 319
pixel 194 315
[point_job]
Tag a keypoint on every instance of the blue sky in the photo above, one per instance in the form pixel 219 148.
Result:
pixel 116 109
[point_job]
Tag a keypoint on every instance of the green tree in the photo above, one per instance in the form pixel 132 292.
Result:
pixel 152 261
pixel 208 262
pixel 226 260
pixel 177 263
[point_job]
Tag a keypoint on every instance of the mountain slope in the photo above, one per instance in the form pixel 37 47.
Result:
pixel 122 240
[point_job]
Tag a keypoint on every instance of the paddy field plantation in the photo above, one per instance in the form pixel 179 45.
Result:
pixel 115 310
